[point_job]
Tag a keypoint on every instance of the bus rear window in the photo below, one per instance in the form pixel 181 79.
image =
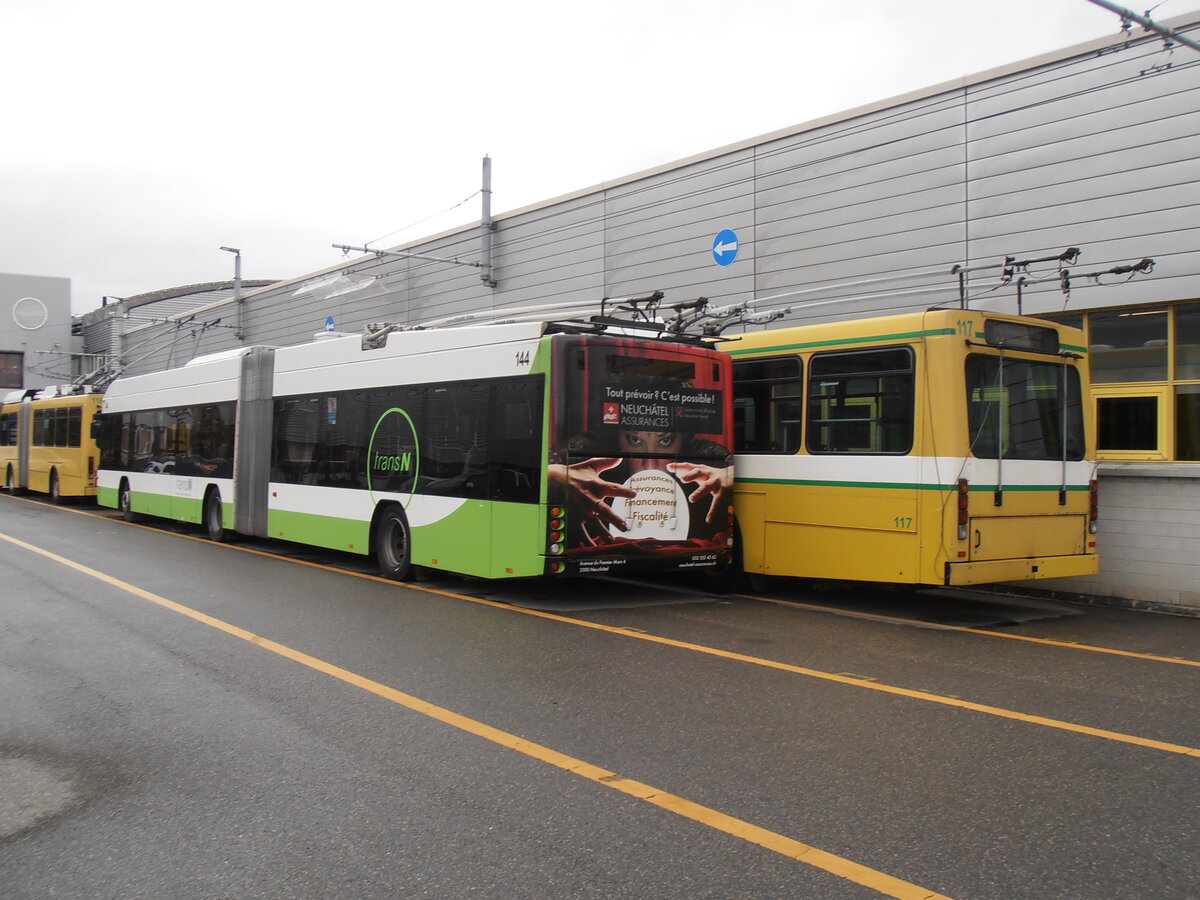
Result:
pixel 624 400
pixel 1018 409
pixel 644 367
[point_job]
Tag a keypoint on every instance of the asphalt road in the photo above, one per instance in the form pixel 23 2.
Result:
pixel 185 719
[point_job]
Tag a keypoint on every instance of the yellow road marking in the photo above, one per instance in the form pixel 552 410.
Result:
pixel 1049 642
pixel 858 681
pixel 778 843
pixel 1071 645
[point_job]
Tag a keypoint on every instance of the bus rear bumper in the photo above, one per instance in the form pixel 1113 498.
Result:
pixel 1000 570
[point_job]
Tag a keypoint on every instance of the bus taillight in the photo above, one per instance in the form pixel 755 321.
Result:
pixel 1093 506
pixel 963 515
pixel 557 535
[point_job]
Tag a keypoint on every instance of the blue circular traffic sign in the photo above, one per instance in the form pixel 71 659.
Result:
pixel 725 247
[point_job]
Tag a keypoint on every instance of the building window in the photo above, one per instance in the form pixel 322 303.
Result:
pixel 1187 422
pixel 12 370
pixel 1128 345
pixel 1127 423
pixel 1187 342
pixel 1145 369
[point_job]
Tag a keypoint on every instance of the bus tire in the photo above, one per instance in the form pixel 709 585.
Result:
pixel 214 516
pixel 731 577
pixel 55 488
pixel 393 544
pixel 125 502
pixel 10 481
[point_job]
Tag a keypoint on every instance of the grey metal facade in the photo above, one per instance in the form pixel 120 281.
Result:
pixel 1095 147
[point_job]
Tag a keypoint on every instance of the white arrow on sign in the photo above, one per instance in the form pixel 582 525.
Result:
pixel 722 249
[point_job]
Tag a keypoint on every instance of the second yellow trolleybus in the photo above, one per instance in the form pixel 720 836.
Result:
pixel 946 447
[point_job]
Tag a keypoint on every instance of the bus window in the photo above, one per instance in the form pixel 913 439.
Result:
pixel 768 405
pixel 1022 414
pixel 516 439
pixel 861 401
pixel 74 426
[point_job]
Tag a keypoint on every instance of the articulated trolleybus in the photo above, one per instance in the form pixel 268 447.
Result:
pixel 948 447
pixel 496 451
pixel 46 442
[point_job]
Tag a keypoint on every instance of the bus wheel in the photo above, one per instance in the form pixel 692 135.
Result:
pixel 55 489
pixel 731 577
pixel 125 502
pixel 393 545
pixel 214 516
pixel 10 483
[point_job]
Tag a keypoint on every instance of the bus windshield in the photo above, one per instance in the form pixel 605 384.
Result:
pixel 1024 409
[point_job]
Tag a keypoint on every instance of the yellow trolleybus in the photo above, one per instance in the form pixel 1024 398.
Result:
pixel 46 442
pixel 947 447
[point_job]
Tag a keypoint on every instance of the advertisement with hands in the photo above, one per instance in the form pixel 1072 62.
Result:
pixel 646 476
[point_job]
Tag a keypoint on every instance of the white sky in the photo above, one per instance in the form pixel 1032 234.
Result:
pixel 141 135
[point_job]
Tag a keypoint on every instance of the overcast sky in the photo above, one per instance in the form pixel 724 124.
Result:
pixel 141 135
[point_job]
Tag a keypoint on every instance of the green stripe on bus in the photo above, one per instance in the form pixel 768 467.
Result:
pixel 480 538
pixel 808 345
pixel 908 486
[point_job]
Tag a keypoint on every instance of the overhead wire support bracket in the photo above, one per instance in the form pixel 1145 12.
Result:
pixel 1143 266
pixel 406 255
pixel 1128 15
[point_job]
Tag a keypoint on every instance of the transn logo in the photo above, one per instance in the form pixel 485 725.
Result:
pixel 383 463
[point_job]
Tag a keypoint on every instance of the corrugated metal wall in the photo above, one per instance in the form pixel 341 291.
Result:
pixel 1097 148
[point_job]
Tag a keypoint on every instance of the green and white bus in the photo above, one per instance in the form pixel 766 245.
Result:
pixel 495 451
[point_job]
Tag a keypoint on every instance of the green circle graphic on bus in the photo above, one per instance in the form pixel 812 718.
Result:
pixel 393 455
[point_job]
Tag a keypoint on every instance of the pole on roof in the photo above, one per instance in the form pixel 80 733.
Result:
pixel 237 286
pixel 486 225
